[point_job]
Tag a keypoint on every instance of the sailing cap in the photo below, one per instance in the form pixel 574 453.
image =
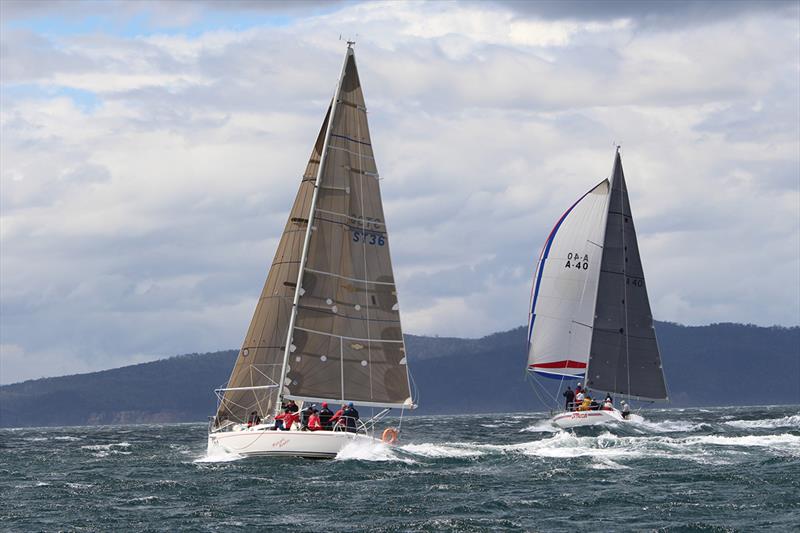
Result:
pixel 350 404
pixel 324 404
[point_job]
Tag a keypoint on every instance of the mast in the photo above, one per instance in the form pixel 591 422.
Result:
pixel 307 239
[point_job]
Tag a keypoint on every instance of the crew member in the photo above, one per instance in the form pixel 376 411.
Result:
pixel 313 421
pixel 350 416
pixel 570 397
pixel 626 409
pixel 289 418
pixel 336 419
pixel 325 417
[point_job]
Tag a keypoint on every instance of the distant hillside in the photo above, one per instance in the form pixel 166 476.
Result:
pixel 720 364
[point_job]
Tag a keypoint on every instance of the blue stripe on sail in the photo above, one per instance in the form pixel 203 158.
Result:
pixel 546 252
pixel 557 376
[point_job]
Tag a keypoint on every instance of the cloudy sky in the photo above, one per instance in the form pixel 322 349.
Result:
pixel 150 153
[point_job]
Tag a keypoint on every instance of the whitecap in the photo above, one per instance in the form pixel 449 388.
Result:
pixel 769 423
pixel 80 486
pixel 438 450
pixel 106 446
pixel 67 437
pixel 670 426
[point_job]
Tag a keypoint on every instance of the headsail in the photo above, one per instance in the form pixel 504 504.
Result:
pixel 624 353
pixel 261 355
pixel 347 342
pixel 564 289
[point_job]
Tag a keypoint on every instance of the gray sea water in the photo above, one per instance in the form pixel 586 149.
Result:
pixel 722 469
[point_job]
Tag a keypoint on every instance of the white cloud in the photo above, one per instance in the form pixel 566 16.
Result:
pixel 142 225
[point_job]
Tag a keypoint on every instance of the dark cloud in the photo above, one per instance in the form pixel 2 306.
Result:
pixel 649 13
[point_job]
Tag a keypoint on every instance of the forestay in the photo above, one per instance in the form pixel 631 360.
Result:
pixel 624 353
pixel 564 289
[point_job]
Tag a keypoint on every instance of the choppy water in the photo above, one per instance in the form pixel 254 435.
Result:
pixel 683 470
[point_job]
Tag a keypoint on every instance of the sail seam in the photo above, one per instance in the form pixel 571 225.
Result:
pixel 307 330
pixel 350 151
pixel 334 213
pixel 349 139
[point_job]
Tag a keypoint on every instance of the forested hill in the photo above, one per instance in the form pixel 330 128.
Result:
pixel 720 364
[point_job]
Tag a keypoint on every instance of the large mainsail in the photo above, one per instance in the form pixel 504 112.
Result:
pixel 564 289
pixel 624 353
pixel 346 341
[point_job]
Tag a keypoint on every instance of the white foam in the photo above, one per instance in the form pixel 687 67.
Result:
pixel 785 441
pixel 104 450
pixel 218 454
pixel 106 446
pixel 80 486
pixel 361 450
pixel 67 437
pixel 438 450
pixel 607 447
pixel 604 463
pixel 542 426
pixel 769 423
pixel 669 426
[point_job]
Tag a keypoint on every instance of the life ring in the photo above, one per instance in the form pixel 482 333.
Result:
pixel 389 435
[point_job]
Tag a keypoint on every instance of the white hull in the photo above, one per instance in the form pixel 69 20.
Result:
pixel 258 442
pixel 574 419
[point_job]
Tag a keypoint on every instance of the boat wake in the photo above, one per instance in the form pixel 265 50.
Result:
pixel 371 451
pixel 217 454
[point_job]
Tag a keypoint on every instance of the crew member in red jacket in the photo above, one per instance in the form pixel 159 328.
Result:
pixel 313 421
pixel 289 419
pixel 337 416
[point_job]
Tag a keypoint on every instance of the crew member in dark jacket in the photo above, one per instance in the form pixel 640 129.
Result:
pixel 325 415
pixel 350 416
pixel 570 396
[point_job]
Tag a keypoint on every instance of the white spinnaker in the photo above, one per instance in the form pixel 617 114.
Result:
pixel 565 288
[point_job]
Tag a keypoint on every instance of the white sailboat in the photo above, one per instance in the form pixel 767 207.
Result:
pixel 327 325
pixel 590 316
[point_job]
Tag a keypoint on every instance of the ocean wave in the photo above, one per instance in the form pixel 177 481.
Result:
pixel 439 450
pixel 80 486
pixel 768 423
pixel 106 446
pixel 671 426
pixel 104 450
pixel 607 446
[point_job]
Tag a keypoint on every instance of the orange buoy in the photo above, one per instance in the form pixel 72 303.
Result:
pixel 389 435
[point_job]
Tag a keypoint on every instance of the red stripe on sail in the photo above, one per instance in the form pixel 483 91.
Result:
pixel 569 363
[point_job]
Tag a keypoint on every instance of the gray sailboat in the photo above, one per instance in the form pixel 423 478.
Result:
pixel 326 328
